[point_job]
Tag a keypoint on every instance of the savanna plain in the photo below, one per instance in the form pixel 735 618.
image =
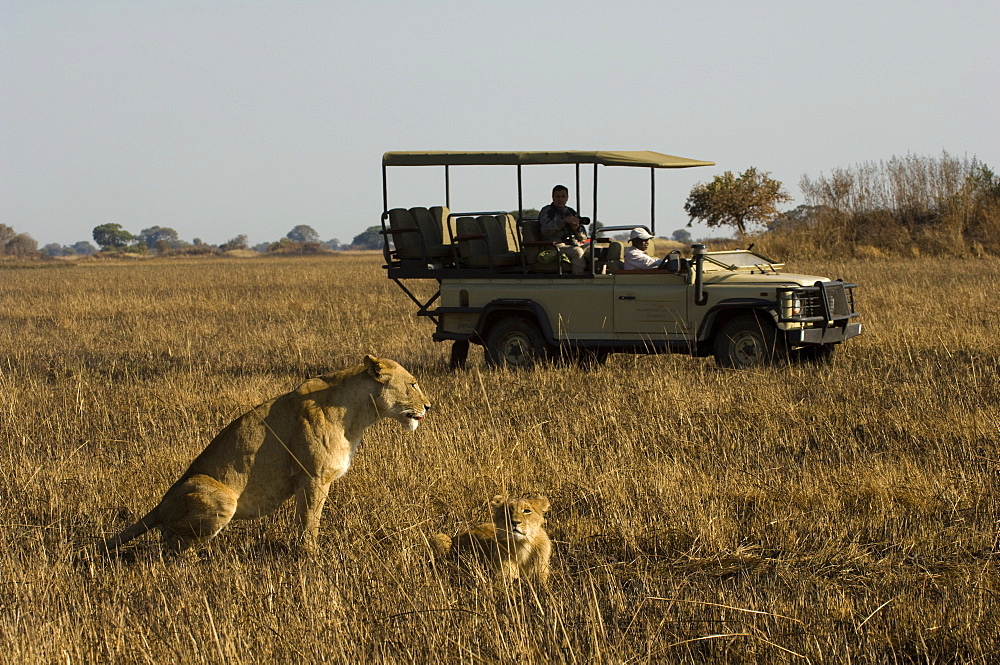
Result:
pixel 838 513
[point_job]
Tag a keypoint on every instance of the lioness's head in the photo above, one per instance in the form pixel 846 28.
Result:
pixel 400 396
pixel 520 518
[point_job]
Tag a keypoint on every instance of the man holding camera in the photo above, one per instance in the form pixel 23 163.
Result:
pixel 561 225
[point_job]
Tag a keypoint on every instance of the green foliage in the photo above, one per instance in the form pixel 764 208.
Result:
pixel 739 201
pixel 303 233
pixel 239 242
pixel 527 213
pixel 370 239
pixel 112 236
pixel 16 244
pixel 6 235
pixel 159 238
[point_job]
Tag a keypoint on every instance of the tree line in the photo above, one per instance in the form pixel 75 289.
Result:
pixel 904 205
pixel 113 238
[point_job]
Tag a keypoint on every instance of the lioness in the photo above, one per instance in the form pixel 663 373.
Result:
pixel 297 444
pixel 514 543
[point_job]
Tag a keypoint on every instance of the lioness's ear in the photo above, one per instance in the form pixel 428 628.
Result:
pixel 540 502
pixel 374 366
pixel 496 501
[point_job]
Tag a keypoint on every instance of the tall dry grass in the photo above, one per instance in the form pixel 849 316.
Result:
pixel 833 514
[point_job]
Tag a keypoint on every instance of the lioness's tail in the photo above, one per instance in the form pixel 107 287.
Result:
pixel 147 522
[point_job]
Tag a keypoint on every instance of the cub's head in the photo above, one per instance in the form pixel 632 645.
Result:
pixel 520 518
pixel 400 397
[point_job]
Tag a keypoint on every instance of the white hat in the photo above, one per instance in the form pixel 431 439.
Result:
pixel 639 234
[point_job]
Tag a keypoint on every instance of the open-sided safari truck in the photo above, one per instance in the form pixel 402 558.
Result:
pixel 501 286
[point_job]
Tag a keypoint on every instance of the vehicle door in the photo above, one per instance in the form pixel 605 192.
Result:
pixel 651 305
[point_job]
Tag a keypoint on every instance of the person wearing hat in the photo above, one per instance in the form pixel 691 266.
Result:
pixel 636 257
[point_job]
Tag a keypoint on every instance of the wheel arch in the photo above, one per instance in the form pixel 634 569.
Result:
pixel 498 310
pixel 726 310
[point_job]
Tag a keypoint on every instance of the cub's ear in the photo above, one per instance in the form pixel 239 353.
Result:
pixel 374 367
pixel 540 502
pixel 497 501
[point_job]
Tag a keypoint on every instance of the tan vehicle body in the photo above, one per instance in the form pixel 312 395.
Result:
pixel 504 287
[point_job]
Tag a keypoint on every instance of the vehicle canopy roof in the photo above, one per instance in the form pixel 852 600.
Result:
pixel 644 158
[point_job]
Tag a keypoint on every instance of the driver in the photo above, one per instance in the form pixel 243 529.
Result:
pixel 636 257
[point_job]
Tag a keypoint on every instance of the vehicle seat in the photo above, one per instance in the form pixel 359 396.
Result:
pixel 616 255
pixel 532 245
pixel 430 234
pixel 500 240
pixel 405 234
pixel 440 217
pixel 482 243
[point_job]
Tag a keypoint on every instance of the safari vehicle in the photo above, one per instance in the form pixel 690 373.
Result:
pixel 499 285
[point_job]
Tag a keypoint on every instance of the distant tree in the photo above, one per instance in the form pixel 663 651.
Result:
pixel 239 242
pixel 370 239
pixel 111 236
pixel 84 247
pixel 729 200
pixel 527 213
pixel 799 217
pixel 303 233
pixel 21 245
pixel 159 237
pixel 681 235
pixel 54 249
pixel 6 235
pixel 332 243
pixel 261 247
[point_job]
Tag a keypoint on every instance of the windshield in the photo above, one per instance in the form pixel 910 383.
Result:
pixel 741 258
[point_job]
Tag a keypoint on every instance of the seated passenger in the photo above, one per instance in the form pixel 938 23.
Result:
pixel 561 225
pixel 636 257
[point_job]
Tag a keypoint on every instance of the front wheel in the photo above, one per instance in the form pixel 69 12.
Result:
pixel 749 341
pixel 515 342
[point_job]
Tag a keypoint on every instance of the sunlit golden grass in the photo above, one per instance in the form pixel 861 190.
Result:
pixel 813 514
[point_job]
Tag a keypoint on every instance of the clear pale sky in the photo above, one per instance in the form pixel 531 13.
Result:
pixel 220 117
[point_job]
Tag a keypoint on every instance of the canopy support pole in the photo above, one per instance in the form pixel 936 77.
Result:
pixel 447 187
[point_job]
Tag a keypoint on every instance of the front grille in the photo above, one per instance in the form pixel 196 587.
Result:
pixel 825 301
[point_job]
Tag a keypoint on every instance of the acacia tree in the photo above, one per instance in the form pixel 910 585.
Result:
pixel 750 198
pixel 303 233
pixel 370 239
pixel 110 236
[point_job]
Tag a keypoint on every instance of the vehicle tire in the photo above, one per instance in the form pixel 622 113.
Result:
pixel 819 354
pixel 749 341
pixel 515 342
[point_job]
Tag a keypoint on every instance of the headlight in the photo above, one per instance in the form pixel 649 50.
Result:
pixel 791 305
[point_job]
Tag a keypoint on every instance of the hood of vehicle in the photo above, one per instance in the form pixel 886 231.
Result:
pixel 755 278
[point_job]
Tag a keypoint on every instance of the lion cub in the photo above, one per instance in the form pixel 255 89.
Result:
pixel 514 543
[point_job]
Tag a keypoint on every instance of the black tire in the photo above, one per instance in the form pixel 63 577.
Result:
pixel 749 341
pixel 819 354
pixel 515 342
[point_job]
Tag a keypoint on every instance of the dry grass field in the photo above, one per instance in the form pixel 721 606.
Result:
pixel 820 515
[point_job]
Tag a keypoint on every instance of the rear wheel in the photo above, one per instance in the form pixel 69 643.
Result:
pixel 515 342
pixel 749 341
